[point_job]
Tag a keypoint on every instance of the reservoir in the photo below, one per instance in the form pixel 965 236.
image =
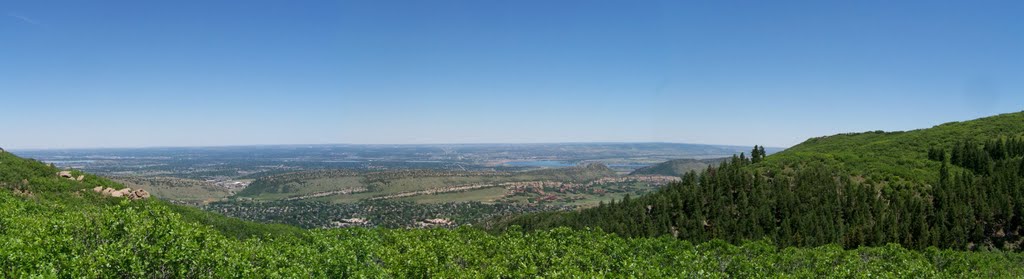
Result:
pixel 548 164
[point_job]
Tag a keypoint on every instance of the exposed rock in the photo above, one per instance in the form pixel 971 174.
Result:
pixel 141 194
pixel 123 193
pixel 64 174
pixel 25 193
pixel 80 177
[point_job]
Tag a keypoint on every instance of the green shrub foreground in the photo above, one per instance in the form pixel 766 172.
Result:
pixel 84 235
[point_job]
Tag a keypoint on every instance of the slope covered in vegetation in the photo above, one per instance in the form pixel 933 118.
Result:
pixel 33 176
pixel 54 230
pixel 40 183
pixel 896 157
pixel 59 236
pixel 958 185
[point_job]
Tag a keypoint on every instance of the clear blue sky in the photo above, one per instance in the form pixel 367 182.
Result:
pixel 188 73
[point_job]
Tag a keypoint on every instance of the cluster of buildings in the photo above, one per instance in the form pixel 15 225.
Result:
pixel 422 224
pixel 652 179
pixel 435 223
pixel 350 222
pixel 563 187
pixel 229 184
pixel 539 186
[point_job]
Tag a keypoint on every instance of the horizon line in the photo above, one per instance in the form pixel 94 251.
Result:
pixel 374 144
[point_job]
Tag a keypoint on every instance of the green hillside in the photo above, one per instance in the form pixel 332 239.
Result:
pixel 896 156
pixel 33 176
pixel 957 185
pixel 677 167
pixel 38 182
pixel 50 228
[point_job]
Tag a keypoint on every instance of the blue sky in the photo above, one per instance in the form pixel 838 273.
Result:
pixel 200 73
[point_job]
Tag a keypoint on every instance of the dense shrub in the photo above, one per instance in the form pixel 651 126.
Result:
pixel 69 236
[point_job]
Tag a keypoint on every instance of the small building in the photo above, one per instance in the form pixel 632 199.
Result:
pixel 434 223
pixel 439 221
pixel 354 220
pixel 350 222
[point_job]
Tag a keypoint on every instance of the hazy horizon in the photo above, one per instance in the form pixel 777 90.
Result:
pixel 371 144
pixel 224 73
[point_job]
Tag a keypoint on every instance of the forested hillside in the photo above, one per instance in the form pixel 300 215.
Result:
pixel 896 157
pixel 957 185
pixel 52 226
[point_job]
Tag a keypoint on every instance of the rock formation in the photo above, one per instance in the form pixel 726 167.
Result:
pixel 123 193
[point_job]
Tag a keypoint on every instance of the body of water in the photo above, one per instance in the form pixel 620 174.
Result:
pixel 539 164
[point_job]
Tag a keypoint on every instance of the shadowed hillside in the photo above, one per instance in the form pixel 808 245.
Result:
pixel 678 167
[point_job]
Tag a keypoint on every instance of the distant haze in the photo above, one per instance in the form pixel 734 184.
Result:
pixel 215 73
